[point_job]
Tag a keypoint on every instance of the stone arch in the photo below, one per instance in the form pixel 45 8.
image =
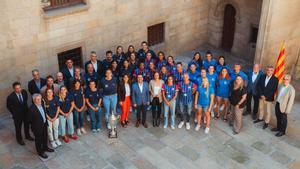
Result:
pixel 220 7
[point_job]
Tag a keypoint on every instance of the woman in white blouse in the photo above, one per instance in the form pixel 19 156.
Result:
pixel 155 86
pixel 124 90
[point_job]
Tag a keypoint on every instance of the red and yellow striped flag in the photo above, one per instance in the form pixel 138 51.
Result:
pixel 279 69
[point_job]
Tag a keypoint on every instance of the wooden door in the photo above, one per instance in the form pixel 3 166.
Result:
pixel 228 27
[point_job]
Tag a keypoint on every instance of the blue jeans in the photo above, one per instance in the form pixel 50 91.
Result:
pixel 62 124
pixel 110 104
pixel 170 108
pixel 78 118
pixel 186 110
pixel 96 117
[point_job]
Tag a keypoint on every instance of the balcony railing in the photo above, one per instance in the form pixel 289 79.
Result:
pixel 53 4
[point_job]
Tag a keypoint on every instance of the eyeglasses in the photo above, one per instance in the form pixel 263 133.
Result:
pixel 286 79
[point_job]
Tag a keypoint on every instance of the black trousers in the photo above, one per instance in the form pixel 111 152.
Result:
pixel 281 118
pixel 41 139
pixel 19 121
pixel 156 108
pixel 141 111
pixel 256 103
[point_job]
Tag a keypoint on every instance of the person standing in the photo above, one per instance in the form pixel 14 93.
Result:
pixel 68 71
pixel 51 103
pixel 16 103
pixel 186 92
pixel 155 87
pixel 97 65
pixel 35 85
pixel 284 103
pixel 79 106
pixel 169 95
pixel 237 99
pixel 108 87
pixel 144 50
pixel 140 100
pixel 50 84
pixel 204 101
pixel 106 63
pixel 253 78
pixel 93 99
pixel 60 79
pixel 267 86
pixel 124 92
pixel 77 76
pixel 38 121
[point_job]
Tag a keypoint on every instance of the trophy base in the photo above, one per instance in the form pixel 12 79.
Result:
pixel 110 135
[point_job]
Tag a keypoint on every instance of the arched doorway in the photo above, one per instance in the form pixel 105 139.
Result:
pixel 228 27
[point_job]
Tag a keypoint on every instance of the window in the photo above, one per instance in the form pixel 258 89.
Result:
pixel 156 34
pixel 54 4
pixel 253 34
pixel 74 54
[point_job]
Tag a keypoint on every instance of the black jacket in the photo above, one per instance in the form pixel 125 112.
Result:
pixel 32 88
pixel 67 75
pixel 100 67
pixel 18 110
pixel 269 90
pixel 122 91
pixel 36 119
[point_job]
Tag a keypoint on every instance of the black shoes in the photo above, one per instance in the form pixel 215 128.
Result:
pixel 43 155
pixel 254 116
pixel 30 138
pixel 274 129
pixel 265 125
pixel 257 121
pixel 279 134
pixel 49 150
pixel 21 142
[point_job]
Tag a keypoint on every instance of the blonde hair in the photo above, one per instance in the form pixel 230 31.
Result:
pixel 205 80
pixel 236 86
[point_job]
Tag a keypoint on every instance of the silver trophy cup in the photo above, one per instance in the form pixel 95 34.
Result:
pixel 113 120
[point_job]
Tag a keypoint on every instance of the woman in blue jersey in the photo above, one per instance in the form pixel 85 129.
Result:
pixel 209 60
pixel 222 93
pixel 171 66
pixel 204 100
pixel 161 60
pixel 197 61
pixel 212 77
pixel 222 64
pixel 164 73
pixel 169 94
pixel 193 73
pixel 79 107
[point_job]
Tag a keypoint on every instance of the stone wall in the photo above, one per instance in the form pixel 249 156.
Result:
pixel 30 38
pixel 247 14
pixel 280 22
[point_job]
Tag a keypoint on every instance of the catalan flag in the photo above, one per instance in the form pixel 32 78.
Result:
pixel 279 69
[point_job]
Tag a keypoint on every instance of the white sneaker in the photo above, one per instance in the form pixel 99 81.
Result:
pixel 197 128
pixel 88 118
pixel 83 130
pixel 78 132
pixel 206 130
pixel 53 144
pixel 180 124
pixel 94 131
pixel 187 126
pixel 108 126
pixel 173 127
pixel 58 143
pixel 165 126
pixel 98 130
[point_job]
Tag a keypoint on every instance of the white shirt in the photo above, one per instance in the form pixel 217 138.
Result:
pixel 281 93
pixel 254 76
pixel 156 90
pixel 127 90
pixel 95 65
pixel 42 112
pixel 141 87
pixel 71 72
pixel 267 80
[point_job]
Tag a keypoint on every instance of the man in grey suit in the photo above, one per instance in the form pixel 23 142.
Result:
pixel 140 100
pixel 284 103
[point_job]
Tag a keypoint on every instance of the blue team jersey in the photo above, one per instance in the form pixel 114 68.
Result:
pixel 186 92
pixel 51 106
pixel 204 95
pixel 78 97
pixel 197 63
pixel 161 63
pixel 241 73
pixel 178 77
pixel 194 76
pixel 170 91
pixel 171 69
pixel 223 87
pixel 93 96
pixel 66 104
pixel 212 78
pixel 207 63
pixel 220 67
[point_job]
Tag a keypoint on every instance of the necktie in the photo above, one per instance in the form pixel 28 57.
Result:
pixel 20 98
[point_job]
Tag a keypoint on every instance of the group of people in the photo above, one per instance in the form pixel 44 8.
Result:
pixel 141 82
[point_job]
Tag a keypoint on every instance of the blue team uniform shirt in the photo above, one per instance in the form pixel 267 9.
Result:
pixel 144 73
pixel 197 63
pixel 223 87
pixel 194 76
pixel 171 69
pixel 161 63
pixel 241 73
pixel 178 77
pixel 207 63
pixel 170 91
pixel 93 96
pixel 186 92
pixel 51 107
pixel 204 96
pixel 220 67
pixel 142 54
pixel 65 105
pixel 78 97
pixel 212 78
pixel 91 77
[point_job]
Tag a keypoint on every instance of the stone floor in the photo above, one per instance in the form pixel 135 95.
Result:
pixel 164 148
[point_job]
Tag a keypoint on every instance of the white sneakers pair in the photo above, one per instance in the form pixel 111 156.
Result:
pixel 55 143
pixel 187 125
pixel 197 128
pixel 172 127
pixel 81 131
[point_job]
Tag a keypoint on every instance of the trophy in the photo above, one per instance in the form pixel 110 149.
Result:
pixel 113 120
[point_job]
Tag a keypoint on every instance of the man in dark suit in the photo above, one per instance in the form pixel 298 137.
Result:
pixel 17 105
pixel 38 120
pixel 140 99
pixel 267 86
pixel 35 85
pixel 97 64
pixel 253 78
pixel 68 71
